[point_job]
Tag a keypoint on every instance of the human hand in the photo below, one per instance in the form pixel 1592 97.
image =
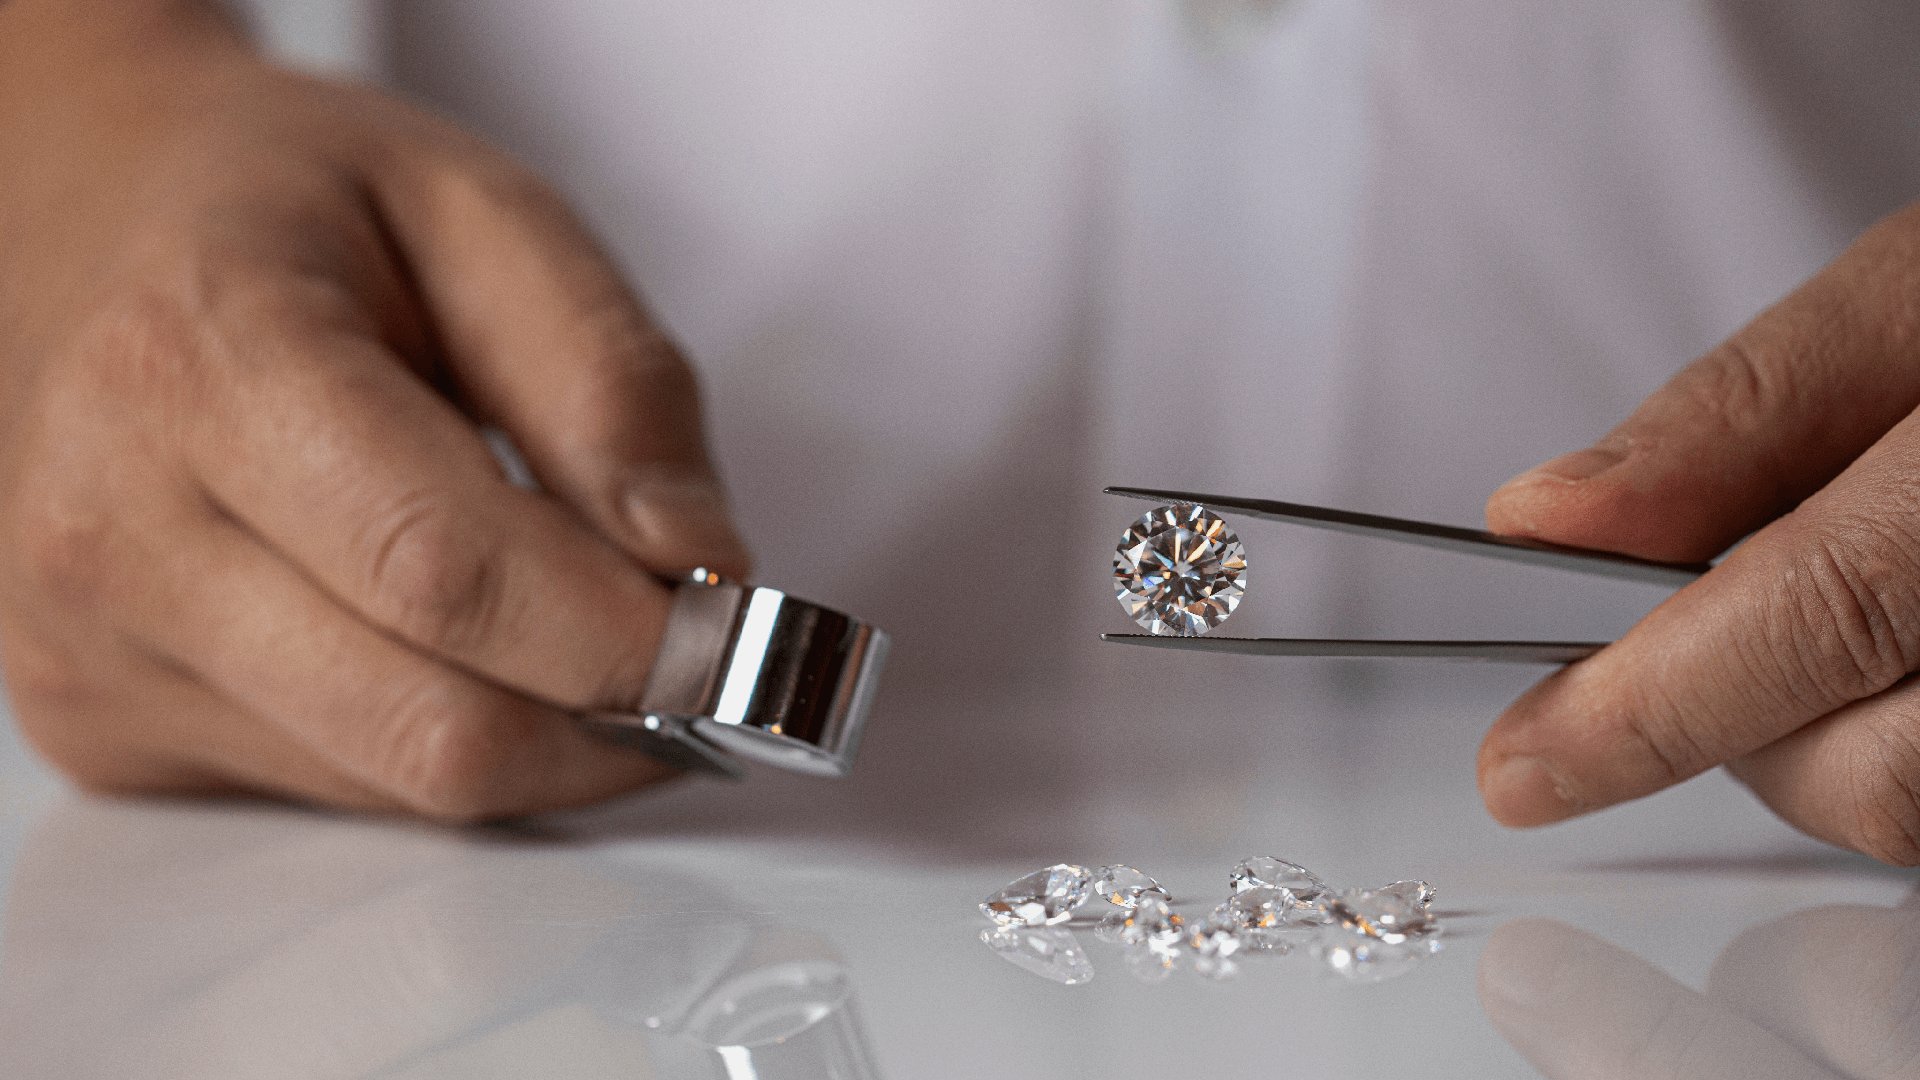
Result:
pixel 1788 662
pixel 254 541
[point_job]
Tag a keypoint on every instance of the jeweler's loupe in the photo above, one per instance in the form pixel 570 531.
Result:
pixel 754 674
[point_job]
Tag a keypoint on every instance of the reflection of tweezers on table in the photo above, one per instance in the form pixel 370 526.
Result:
pixel 1442 537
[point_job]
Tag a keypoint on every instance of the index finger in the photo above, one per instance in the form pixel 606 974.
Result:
pixel 328 448
pixel 1818 610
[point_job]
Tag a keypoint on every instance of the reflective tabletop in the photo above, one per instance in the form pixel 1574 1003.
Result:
pixel 699 931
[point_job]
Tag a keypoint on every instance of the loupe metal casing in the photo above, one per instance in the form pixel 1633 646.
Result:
pixel 755 674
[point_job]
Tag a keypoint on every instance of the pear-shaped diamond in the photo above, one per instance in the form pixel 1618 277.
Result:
pixel 1122 886
pixel 1267 872
pixel 1417 893
pixel 1042 898
pixel 1051 953
pixel 1382 915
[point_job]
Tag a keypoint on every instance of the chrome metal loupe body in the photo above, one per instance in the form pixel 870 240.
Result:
pixel 755 674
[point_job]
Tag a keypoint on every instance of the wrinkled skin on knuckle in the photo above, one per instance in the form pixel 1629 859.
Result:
pixel 1852 608
pixel 1667 743
pixel 432 578
pixel 442 759
pixel 1884 783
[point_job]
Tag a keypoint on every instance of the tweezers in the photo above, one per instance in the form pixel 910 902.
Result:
pixel 1423 534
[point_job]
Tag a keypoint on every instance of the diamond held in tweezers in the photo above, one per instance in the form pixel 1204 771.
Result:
pixel 1042 898
pixel 1179 570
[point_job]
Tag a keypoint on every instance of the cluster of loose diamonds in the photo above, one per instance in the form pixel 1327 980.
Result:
pixel 1179 570
pixel 1275 907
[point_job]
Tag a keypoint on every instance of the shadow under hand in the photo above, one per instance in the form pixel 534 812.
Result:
pixel 1823 994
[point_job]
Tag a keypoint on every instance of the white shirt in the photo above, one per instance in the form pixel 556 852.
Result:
pixel 950 266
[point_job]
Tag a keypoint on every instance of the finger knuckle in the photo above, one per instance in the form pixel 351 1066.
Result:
pixel 42 683
pixel 1851 630
pixel 1886 798
pixel 444 759
pixel 62 550
pixel 434 579
pixel 1663 738
pixel 1734 384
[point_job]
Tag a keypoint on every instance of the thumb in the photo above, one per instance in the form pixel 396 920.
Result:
pixel 550 343
pixel 1751 429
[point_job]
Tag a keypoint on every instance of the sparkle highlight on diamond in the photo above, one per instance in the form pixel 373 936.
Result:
pixel 1123 886
pixel 1042 898
pixel 1179 570
pixel 1276 908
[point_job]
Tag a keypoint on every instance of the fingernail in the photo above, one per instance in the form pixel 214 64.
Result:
pixel 681 518
pixel 1523 791
pixel 1575 467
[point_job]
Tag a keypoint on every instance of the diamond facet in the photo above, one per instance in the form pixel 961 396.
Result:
pixel 1122 886
pixel 1381 915
pixel 1042 898
pixel 1417 893
pixel 1270 919
pixel 1179 570
pixel 1049 953
pixel 1267 872
pixel 1152 925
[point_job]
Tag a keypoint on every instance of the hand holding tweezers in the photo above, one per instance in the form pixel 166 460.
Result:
pixel 1424 534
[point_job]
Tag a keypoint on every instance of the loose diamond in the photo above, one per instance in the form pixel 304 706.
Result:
pixel 1049 953
pixel 1269 919
pixel 1267 872
pixel 1109 928
pixel 1179 570
pixel 1416 893
pixel 1042 898
pixel 1122 886
pixel 1381 915
pixel 1152 925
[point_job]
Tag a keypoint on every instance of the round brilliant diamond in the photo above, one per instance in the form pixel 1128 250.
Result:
pixel 1179 570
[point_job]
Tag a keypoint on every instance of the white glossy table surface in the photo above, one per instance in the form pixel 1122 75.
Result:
pixel 212 941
